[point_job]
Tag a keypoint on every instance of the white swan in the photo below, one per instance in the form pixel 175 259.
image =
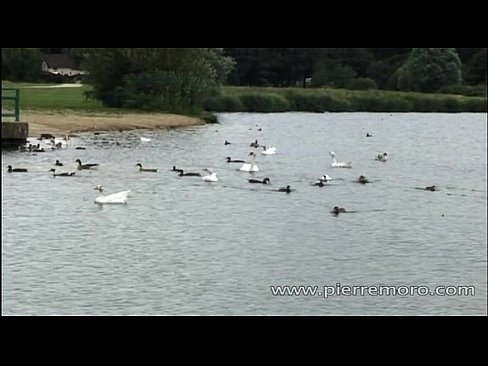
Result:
pixel 212 177
pixel 269 151
pixel 250 167
pixel 335 164
pixel 114 198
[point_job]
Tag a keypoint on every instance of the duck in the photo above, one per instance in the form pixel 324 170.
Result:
pixel 328 178
pixel 286 190
pixel 17 170
pixel 183 174
pixel 335 164
pixel 382 157
pixel 58 163
pixel 431 188
pixel 211 177
pixel 258 181
pixel 85 166
pixel 114 198
pixel 227 143
pixel 66 174
pixel 250 167
pixel 321 183
pixel 369 135
pixel 229 160
pixel 337 210
pixel 141 169
pixel 254 144
pixel 362 179
pixel 176 170
pixel 269 151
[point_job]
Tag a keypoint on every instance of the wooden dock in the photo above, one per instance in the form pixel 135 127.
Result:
pixel 14 133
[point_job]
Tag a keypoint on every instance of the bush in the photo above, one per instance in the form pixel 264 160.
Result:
pixel 224 103
pixel 264 102
pixel 467 90
pixel 363 84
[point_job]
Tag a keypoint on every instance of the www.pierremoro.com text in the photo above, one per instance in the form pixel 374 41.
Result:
pixel 347 290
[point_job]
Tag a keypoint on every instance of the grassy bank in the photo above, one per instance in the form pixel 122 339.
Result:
pixel 45 97
pixel 255 99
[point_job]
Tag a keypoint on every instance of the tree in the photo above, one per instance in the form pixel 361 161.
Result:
pixel 429 69
pixel 21 64
pixel 169 79
pixel 475 71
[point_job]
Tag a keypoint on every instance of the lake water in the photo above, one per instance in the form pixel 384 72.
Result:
pixel 181 246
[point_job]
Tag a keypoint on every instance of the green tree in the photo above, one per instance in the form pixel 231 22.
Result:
pixel 475 70
pixel 429 69
pixel 169 79
pixel 21 64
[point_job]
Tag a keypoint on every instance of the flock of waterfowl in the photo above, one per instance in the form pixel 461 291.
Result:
pixel 248 166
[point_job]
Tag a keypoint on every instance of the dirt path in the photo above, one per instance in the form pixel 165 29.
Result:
pixel 63 123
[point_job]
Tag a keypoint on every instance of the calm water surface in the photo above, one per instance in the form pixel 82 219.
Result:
pixel 181 246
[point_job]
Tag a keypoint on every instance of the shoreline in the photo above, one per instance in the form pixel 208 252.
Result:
pixel 67 122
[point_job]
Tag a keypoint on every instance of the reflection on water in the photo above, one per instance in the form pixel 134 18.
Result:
pixel 182 246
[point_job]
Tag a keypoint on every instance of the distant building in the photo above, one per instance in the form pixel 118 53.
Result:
pixel 61 64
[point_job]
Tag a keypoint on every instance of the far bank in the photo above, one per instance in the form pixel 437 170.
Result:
pixel 66 122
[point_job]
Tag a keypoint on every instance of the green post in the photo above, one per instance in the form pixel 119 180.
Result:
pixel 17 105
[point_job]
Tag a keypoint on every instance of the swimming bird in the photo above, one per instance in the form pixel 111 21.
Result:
pixel 145 139
pixel 337 210
pixel 269 151
pixel 258 181
pixel 369 135
pixel 362 179
pixel 335 164
pixel 382 157
pixel 229 160
pixel 141 169
pixel 66 174
pixel 183 174
pixel 58 163
pixel 431 188
pixel 254 144
pixel 176 170
pixel 321 183
pixel 250 167
pixel 287 189
pixel 18 170
pixel 211 178
pixel 227 142
pixel 114 198
pixel 85 166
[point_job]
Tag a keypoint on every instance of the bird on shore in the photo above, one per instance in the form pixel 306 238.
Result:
pixel 141 169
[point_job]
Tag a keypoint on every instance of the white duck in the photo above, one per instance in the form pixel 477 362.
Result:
pixel 250 167
pixel 269 151
pixel 212 177
pixel 335 164
pixel 114 198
